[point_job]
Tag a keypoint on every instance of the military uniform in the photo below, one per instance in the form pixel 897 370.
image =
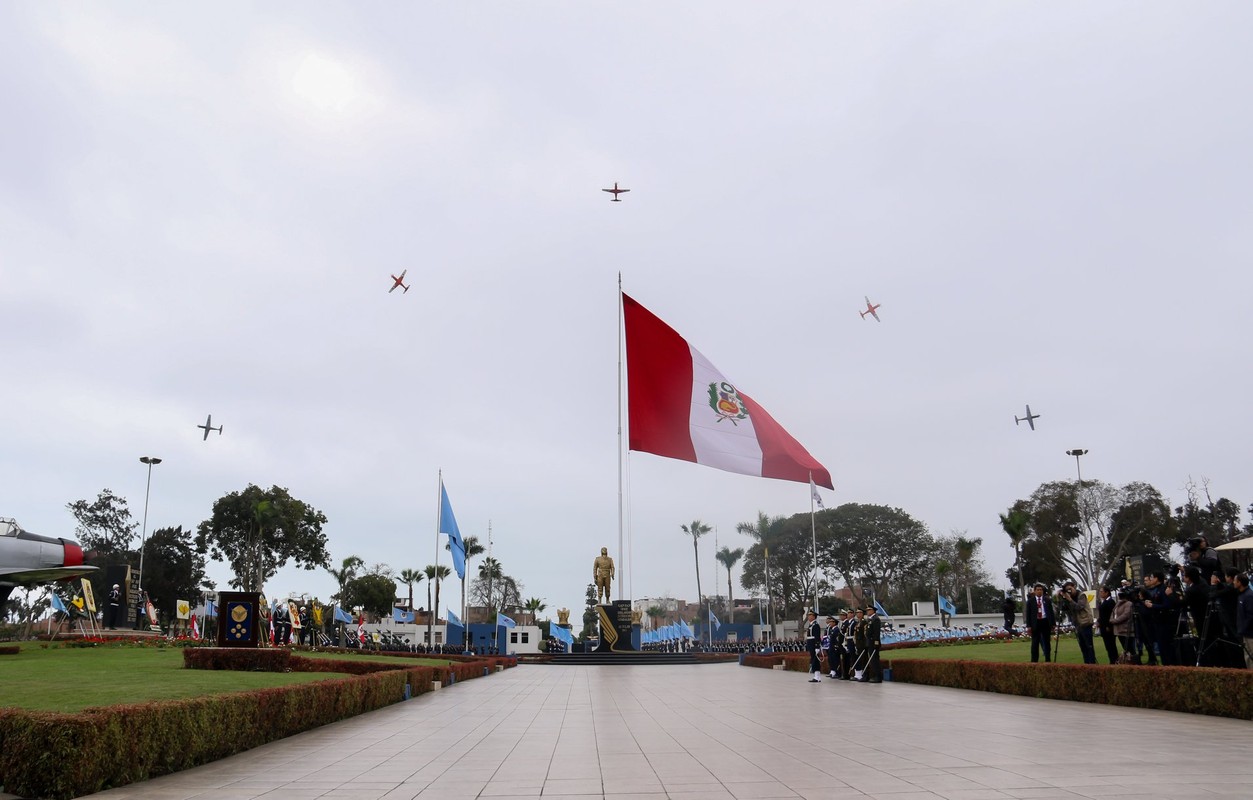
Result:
pixel 834 644
pixel 873 635
pixel 813 636
pixel 859 645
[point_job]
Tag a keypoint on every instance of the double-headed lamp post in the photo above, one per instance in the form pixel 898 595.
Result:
pixel 1076 453
pixel 151 461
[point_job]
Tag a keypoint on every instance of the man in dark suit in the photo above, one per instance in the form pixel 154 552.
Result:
pixel 1040 618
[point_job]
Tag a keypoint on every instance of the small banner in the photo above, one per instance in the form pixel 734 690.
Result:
pixel 88 597
pixel 184 609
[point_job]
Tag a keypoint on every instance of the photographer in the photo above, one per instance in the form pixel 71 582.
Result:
pixel 1076 606
pixel 1161 606
pixel 1225 597
pixel 1123 620
pixel 1244 617
pixel 1205 558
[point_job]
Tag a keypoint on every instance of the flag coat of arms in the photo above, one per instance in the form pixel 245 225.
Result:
pixel 679 405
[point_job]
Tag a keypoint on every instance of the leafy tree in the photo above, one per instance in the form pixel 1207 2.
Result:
pixel 173 569
pixel 374 591
pixel 346 572
pixel 655 613
pixel 104 525
pixel 1217 520
pixel 696 530
pixel 857 541
pixel 409 577
pixel 967 566
pixel 258 531
pixel 728 558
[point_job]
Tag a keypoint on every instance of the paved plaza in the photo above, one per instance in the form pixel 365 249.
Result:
pixel 723 731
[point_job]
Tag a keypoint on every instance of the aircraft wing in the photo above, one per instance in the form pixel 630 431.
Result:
pixel 22 576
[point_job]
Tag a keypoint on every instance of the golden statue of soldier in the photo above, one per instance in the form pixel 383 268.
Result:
pixel 602 573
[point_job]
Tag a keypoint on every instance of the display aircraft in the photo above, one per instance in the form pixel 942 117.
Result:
pixel 208 428
pixel 399 283
pixel 1029 419
pixel 29 560
pixel 615 191
pixel 871 309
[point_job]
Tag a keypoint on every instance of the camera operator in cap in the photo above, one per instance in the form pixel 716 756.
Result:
pixel 1075 604
pixel 1205 558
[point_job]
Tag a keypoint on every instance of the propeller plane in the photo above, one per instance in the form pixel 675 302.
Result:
pixel 1029 419
pixel 615 191
pixel 871 309
pixel 208 428
pixel 399 283
pixel 28 560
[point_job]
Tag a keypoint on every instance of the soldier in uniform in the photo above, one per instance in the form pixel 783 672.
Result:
pixel 115 605
pixel 859 644
pixel 813 635
pixel 306 626
pixel 846 655
pixel 835 646
pixel 874 629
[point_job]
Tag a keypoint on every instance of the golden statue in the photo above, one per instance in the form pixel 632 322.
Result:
pixel 563 616
pixel 602 573
pixel 637 617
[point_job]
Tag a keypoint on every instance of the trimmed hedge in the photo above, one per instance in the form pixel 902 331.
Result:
pixel 51 755
pixel 1192 690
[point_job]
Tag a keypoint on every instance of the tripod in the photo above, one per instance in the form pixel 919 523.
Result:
pixel 1214 608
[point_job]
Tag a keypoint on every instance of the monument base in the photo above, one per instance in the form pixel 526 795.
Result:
pixel 615 627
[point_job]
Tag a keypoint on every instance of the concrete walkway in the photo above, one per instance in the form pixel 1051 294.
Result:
pixel 722 731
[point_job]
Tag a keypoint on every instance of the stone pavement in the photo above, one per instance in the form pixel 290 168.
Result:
pixel 723 731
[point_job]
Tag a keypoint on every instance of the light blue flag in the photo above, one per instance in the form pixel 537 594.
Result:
pixel 685 629
pixel 58 604
pixel 561 634
pixel 403 616
pixel 452 619
pixel 947 606
pixel 210 609
pixel 713 620
pixel 448 525
pixel 879 610
pixel 342 616
pixel 501 619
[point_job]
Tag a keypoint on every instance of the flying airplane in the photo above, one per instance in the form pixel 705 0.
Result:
pixel 399 283
pixel 615 191
pixel 28 560
pixel 208 428
pixel 870 309
pixel 1029 419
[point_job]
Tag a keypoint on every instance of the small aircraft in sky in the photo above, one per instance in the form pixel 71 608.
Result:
pixel 208 428
pixel 1029 419
pixel 29 560
pixel 615 191
pixel 871 308
pixel 399 283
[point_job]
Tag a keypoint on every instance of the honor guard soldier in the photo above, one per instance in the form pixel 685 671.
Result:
pixel 832 642
pixel 874 641
pixel 859 644
pixel 115 606
pixel 813 633
pixel 846 655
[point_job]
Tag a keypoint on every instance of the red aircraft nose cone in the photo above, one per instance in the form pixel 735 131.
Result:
pixel 73 554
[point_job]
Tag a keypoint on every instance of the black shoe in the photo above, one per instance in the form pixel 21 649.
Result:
pixel 814 680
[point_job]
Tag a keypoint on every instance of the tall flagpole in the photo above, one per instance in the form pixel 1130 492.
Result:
pixel 621 561
pixel 813 531
pixel 439 516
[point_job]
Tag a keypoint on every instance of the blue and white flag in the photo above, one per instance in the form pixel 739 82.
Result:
pixel 561 634
pixel 58 604
pixel 685 629
pixel 879 610
pixel 448 525
pixel 947 607
pixel 210 609
pixel 342 616
pixel 713 620
pixel 402 616
pixel 501 619
pixel 453 620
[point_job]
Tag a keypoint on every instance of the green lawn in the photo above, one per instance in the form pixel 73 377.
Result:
pixel 1015 650
pixel 71 678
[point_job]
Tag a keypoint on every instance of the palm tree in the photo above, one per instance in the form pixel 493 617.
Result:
pixel 655 613
pixel 345 573
pixel 727 557
pixel 491 572
pixel 534 606
pixel 409 577
pixel 1017 525
pixel 696 530
pixel 764 531
pixel 435 575
pixel 966 549
pixel 473 548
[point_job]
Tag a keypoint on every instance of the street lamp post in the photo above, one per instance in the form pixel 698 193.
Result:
pixel 1076 453
pixel 1078 502
pixel 151 461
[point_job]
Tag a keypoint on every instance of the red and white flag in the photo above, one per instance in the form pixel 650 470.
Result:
pixel 195 629
pixel 680 406
pixel 361 629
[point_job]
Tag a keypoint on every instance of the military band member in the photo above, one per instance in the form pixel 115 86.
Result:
pixel 874 642
pixel 813 633
pixel 834 647
pixel 859 644
pixel 847 654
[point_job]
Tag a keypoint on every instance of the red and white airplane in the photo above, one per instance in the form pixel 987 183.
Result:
pixel 615 191
pixel 27 559
pixel 870 309
pixel 399 283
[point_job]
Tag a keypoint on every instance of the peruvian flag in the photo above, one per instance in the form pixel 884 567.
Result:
pixel 680 406
pixel 195 629
pixel 361 629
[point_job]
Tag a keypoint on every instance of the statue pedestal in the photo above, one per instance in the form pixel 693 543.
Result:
pixel 615 627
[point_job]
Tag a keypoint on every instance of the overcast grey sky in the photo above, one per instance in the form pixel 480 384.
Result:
pixel 200 208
